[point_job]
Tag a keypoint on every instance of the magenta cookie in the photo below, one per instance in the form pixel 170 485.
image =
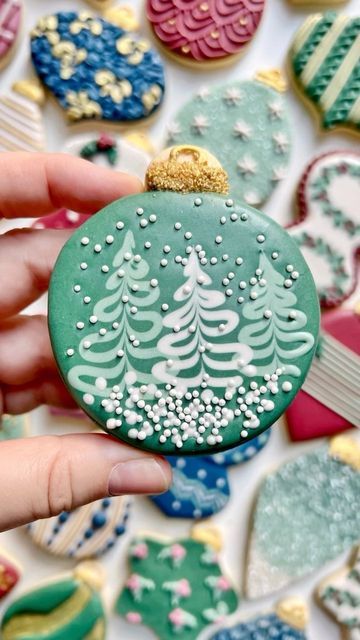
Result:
pixel 198 31
pixel 10 22
pixel 61 219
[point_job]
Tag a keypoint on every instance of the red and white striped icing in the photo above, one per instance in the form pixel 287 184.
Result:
pixel 205 30
pixel 10 20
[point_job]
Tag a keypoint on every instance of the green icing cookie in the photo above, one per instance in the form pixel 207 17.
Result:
pixel 176 589
pixel 182 321
pixel 65 608
pixel 12 427
pixel 246 126
pixel 325 64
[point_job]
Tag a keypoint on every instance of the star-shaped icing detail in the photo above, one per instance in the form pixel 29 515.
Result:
pixel 232 96
pixel 242 130
pixel 203 94
pixel 281 142
pixel 252 198
pixel 199 124
pixel 173 130
pixel 247 166
pixel 276 110
pixel 279 173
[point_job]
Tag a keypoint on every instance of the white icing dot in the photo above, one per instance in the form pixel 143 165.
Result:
pixel 197 202
pixel 260 238
pixel 105 268
pixel 253 295
pixel 274 255
pixel 103 332
pixel 125 299
pixel 131 337
pixel 225 257
pixel 289 268
pixel 286 386
pixel 176 329
pixel 80 325
pixel 229 203
pixel 231 275
pixel 86 344
pixel 127 256
pixel 292 315
pixel 143 223
pixel 100 383
pixel 119 225
pixel 239 260
pixel 221 327
pixel 133 310
pixel 83 266
pixel 234 217
pixel 164 307
pixel 229 292
pixel 177 225
pixel 253 281
pixel 97 248
pixel 120 353
pixel 244 216
pixel 77 288
pixel 242 284
pixel 287 283
pixel 70 352
pixel 85 240
pixel 262 282
pixel 218 239
pixel 87 299
pixel 222 220
pixel 192 329
pixel 111 423
pixel 244 433
pixel 115 325
pixel 137 258
pixel 139 211
pixel 213 260
pixel 169 363
pixel 225 281
pixel 147 245
pixel 154 282
pixel 187 235
pixel 166 249
pixel 109 239
pixel 88 398
pixel 93 319
pixel 121 273
pixel 295 275
pixel 200 279
pixel 267 313
pixel 153 217
pixel 163 262
pixel 240 299
pixel 184 262
pixel 135 287
pixel 178 259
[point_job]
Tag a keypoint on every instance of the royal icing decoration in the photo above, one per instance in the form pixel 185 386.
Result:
pixel 339 595
pixel 61 219
pixel 246 125
pixel 196 336
pixel 329 401
pixel 328 229
pixel 10 23
pixel 175 588
pixel 204 31
pixel 10 574
pixel 66 607
pixel 21 121
pixel 288 622
pixel 96 70
pixel 87 532
pixel 306 514
pixel 200 486
pixel 13 427
pixel 324 60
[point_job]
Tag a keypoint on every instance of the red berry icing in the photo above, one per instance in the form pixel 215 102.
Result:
pixel 9 576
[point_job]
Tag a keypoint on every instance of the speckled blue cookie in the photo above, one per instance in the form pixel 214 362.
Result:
pixel 87 532
pixel 242 453
pixel 264 627
pixel 96 70
pixel 199 489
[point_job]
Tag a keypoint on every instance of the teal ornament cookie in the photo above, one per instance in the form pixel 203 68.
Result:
pixel 325 66
pixel 13 427
pixel 68 606
pixel 182 321
pixel 95 70
pixel 306 514
pixel 246 125
pixel 176 588
pixel 89 531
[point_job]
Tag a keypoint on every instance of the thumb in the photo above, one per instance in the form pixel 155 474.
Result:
pixel 42 476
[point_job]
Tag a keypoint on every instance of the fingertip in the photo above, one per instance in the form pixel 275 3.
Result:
pixel 145 475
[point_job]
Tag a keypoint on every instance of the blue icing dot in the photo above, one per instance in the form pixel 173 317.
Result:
pixel 119 530
pixel 89 533
pixel 64 516
pixel 106 503
pixel 98 520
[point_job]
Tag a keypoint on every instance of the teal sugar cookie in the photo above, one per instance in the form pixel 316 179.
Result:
pixel 67 607
pixel 246 125
pixel 182 321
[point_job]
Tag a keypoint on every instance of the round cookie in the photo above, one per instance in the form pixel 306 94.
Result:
pixel 182 320
pixel 95 70
pixel 205 33
pixel 246 125
pixel 11 12
pixel 68 606
pixel 21 119
pixel 86 532
pixel 324 64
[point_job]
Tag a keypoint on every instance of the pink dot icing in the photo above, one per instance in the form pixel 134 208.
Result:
pixel 133 617
pixel 10 19
pixel 205 30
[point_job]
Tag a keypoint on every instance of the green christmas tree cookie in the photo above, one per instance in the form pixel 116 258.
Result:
pixel 66 607
pixel 183 320
pixel 176 587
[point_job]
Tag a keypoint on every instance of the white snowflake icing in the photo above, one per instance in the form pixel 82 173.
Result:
pixel 173 130
pixel 276 110
pixel 281 142
pixel 242 130
pixel 232 96
pixel 199 124
pixel 247 166
pixel 203 94
pixel 252 198
pixel 279 174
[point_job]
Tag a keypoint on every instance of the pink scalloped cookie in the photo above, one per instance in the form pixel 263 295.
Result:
pixel 10 23
pixel 205 31
pixel 61 219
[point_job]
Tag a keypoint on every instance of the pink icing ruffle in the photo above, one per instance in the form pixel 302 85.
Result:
pixel 10 20
pixel 208 29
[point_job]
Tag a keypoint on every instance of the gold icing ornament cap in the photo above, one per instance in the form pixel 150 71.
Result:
pixel 273 78
pixel 92 573
pixel 345 450
pixel 186 169
pixel 294 612
pixel 123 17
pixel 207 534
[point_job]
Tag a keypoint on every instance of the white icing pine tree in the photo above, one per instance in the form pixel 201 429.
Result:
pixel 128 327
pixel 196 346
pixel 275 329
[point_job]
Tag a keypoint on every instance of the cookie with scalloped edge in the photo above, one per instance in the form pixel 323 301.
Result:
pixel 11 16
pixel 246 125
pixel 324 61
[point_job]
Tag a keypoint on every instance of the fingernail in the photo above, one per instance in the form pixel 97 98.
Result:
pixel 145 475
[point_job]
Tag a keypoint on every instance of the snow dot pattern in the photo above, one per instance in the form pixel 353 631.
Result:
pixel 175 350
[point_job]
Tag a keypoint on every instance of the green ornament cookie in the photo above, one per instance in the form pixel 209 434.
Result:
pixel 246 125
pixel 67 607
pixel 182 320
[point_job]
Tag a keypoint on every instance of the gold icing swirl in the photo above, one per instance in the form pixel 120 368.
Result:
pixel 123 17
pixel 273 78
pixel 207 534
pixel 346 450
pixel 293 611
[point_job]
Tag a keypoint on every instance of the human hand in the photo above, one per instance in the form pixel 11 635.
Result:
pixel 43 476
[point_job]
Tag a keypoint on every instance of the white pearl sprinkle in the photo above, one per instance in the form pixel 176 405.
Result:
pixel 137 257
pixel 143 223
pixel 253 295
pixel 267 313
pixel 239 261
pixel 218 239
pixel 213 260
pixel 229 292
pixel 87 299
pixel 163 262
pixel 240 299
pixel 295 275
pixel 70 352
pixel 234 217
pixel 286 386
pixel 176 329
pixel 86 344
pixel 225 281
pixel 77 288
pixel 147 244
pixel 119 225
pixel 289 268
pixel 260 238
pixel 221 327
pixel 178 259
pixel 229 203
pixel 231 275
pixel 166 249
pixel 244 216
pixel 274 255
pixel 287 283
pixel 177 226
pixel 154 282
pixel 139 211
pixel 253 281
pixel 133 310
pixel 103 332
pixel 127 256
pixel 115 325
pixel 93 319
pixel 88 398
pixel 135 287
pixel 120 273
pixel 222 220
pixel 85 240
pixel 109 239
pixel 225 257
pixel 153 217
pixel 197 202
pixel 292 315
pixel 120 353
pixel 97 248
pixel 83 266
pixel 80 325
pixel 242 284
pixel 125 299
pixel 105 268
pixel 244 433
pixel 188 235
pixel 164 307
pixel 262 282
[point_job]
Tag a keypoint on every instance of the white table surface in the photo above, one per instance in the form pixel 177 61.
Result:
pixel 268 50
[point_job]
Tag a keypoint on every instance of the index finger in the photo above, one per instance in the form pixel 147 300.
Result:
pixel 34 184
